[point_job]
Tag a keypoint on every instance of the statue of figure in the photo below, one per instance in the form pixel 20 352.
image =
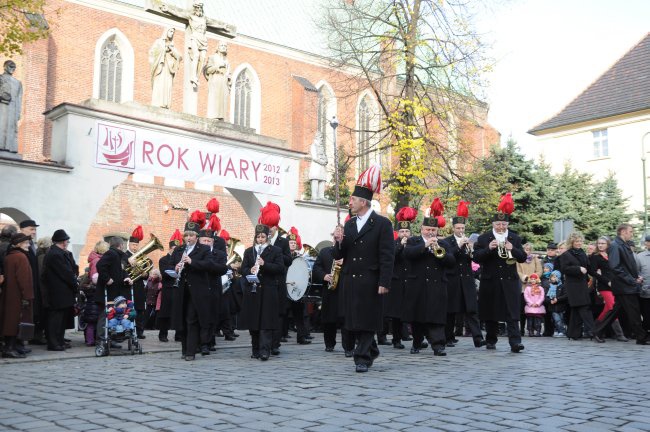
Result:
pixel 217 73
pixel 197 26
pixel 165 61
pixel 317 169
pixel 11 101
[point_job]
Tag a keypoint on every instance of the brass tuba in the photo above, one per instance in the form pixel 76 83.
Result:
pixel 310 250
pixel 233 256
pixel 142 265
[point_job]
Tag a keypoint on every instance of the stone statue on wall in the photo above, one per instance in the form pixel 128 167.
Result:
pixel 317 168
pixel 11 101
pixel 197 27
pixel 165 61
pixel 217 73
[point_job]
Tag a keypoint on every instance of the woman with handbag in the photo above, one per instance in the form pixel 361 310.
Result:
pixel 18 293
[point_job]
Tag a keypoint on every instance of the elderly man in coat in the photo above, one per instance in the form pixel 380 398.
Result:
pixel 367 247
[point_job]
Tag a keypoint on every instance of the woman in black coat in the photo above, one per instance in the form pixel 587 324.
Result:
pixel 576 269
pixel 260 306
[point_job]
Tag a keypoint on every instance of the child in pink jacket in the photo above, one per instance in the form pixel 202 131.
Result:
pixel 534 310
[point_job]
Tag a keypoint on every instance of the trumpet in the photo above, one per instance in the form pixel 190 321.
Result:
pixel 437 250
pixel 467 246
pixel 505 253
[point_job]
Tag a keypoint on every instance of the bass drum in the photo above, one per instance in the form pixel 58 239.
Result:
pixel 297 279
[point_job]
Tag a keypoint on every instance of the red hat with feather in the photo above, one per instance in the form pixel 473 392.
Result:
pixel 369 182
pixel 137 235
pixel 504 209
pixel 462 213
pixel 405 216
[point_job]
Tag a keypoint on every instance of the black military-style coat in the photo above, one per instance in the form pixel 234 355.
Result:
pixel 425 300
pixel 368 264
pixel 283 244
pixel 139 286
pixel 260 310
pixel 59 278
pixel 195 278
pixel 219 257
pixel 499 297
pixel 111 266
pixel 165 263
pixel 461 285
pixel 394 300
pixel 330 298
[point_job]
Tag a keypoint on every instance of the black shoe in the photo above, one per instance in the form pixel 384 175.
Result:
pixel 383 342
pixel 283 339
pixel 66 345
pixel 255 355
pixel 598 339
pixel 361 368
pixel 643 342
pixel 349 354
pixel 275 351
pixel 189 358
pixel 454 340
pixel 55 348
pixel 22 349
pixel 303 341
pixel 66 340
pixel 163 339
pixel 309 337
pixel 439 352
pixel 490 346
pixel 415 350
pixel 329 349
pixel 39 341
pixel 398 346
pixel 478 343
pixel 234 335
pixel 450 344
pixel 229 338
pixel 407 338
pixel 424 345
pixel 141 336
pixel 12 354
pixel 205 350
pixel 264 357
pixel 516 348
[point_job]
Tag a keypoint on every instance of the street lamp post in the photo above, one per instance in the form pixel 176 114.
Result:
pixel 335 123
pixel 645 180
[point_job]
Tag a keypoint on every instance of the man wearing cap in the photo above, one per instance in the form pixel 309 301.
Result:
pixel 425 302
pixel 500 293
pixel 59 277
pixel 367 247
pixel 28 227
pixel 139 286
pixel 461 282
pixel 191 314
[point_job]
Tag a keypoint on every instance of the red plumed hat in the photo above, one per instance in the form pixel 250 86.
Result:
pixel 215 223
pixel 405 216
pixel 198 217
pixel 437 209
pixel 441 221
pixel 270 215
pixel 176 238
pixel 293 235
pixel 137 235
pixel 368 183
pixel 505 208
pixel 224 235
pixel 213 206
pixel 462 213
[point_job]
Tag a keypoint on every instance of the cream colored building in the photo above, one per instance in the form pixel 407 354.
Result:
pixel 601 130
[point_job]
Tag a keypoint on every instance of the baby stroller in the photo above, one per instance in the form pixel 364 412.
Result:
pixel 118 333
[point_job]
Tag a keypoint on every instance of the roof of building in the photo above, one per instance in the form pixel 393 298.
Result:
pixel 288 23
pixel 623 89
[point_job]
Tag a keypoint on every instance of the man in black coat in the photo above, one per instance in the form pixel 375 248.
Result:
pixel 367 247
pixel 461 287
pixel 60 280
pixel 28 227
pixel 139 288
pixel 219 256
pixel 626 285
pixel 192 299
pixel 112 281
pixel 500 292
pixel 280 334
pixel 394 300
pixel 425 301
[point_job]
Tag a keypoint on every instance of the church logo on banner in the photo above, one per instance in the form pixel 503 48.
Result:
pixel 115 146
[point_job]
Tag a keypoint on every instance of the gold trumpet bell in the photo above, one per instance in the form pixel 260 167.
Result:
pixel 310 250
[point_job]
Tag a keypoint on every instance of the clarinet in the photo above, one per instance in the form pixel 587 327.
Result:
pixel 180 271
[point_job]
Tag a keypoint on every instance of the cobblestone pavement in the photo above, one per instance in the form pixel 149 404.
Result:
pixel 555 384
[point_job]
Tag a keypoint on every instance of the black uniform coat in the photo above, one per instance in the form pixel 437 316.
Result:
pixel 394 300
pixel 576 283
pixel 624 270
pixel 425 300
pixel 110 266
pixel 368 264
pixel 260 310
pixel 219 258
pixel 59 278
pixel 139 286
pixel 283 244
pixel 166 263
pixel 499 297
pixel 195 277
pixel 461 285
pixel 330 298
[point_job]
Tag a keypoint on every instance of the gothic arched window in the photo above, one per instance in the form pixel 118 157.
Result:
pixel 243 96
pixel 110 79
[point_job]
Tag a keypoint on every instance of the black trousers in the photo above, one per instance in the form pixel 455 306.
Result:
pixel 261 341
pixel 470 319
pixel 512 329
pixel 163 326
pixel 580 315
pixel 366 350
pixel 140 320
pixel 56 327
pixel 329 336
pixel 297 309
pixel 192 334
pixel 435 334
pixel 629 303
pixel 644 304
pixel 348 340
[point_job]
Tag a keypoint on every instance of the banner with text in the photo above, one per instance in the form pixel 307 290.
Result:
pixel 144 151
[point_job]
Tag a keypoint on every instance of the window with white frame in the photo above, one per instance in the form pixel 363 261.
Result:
pixel 110 79
pixel 243 99
pixel 601 146
pixel 113 69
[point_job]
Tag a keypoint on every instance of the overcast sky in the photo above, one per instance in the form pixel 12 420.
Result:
pixel 549 51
